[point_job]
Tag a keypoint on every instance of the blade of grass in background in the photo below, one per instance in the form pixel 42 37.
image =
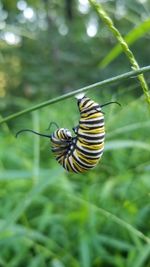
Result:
pixel 47 181
pixel 118 144
pixel 112 217
pixel 128 128
pixel 85 251
pixel 130 38
pixel 142 257
pixel 107 20
pixel 8 175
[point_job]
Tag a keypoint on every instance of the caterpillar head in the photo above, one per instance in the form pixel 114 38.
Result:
pixel 62 134
pixel 85 104
pixel 60 141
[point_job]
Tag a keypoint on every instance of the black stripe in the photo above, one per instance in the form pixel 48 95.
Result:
pixel 87 128
pixel 91 121
pixel 57 134
pixel 91 108
pixel 59 158
pixel 68 163
pixel 87 157
pixel 85 102
pixel 63 163
pixel 88 153
pixel 91 137
pixel 85 114
pixel 60 141
pixel 78 166
pixel 89 145
pixel 82 165
pixel 59 150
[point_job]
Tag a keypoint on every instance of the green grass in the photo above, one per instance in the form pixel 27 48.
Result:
pixel 52 218
pixel 49 217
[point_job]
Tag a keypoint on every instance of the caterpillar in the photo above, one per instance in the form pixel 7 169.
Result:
pixel 83 151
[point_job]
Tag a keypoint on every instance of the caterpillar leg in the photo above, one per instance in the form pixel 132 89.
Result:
pixel 75 129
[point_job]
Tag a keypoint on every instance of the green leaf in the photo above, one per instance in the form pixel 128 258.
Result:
pixel 84 251
pixel 142 257
pixel 130 38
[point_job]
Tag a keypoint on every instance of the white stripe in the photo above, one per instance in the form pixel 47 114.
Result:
pixel 91 135
pixel 91 125
pixel 94 119
pixel 69 158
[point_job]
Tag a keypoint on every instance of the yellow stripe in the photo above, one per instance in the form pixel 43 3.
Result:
pixel 89 130
pixel 92 116
pixel 68 165
pixel 93 147
pixel 97 130
pixel 76 166
pixel 89 161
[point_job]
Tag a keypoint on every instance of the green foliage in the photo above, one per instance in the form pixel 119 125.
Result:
pixel 130 38
pixel 134 64
pixel 49 217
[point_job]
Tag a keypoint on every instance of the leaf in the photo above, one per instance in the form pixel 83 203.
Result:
pixel 84 251
pixel 142 256
pixel 116 243
pixel 130 38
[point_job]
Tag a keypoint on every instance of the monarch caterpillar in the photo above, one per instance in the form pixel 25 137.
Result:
pixel 81 152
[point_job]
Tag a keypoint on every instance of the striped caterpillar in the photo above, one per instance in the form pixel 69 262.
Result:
pixel 81 152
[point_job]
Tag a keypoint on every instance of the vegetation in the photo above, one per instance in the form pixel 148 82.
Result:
pixel 49 217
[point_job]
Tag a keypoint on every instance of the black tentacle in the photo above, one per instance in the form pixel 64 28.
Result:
pixel 52 123
pixel 112 102
pixel 28 130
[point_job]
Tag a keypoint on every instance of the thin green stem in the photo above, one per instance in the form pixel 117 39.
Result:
pixel 108 21
pixel 120 77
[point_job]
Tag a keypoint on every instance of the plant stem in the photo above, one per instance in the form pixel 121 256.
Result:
pixel 108 21
pixel 83 89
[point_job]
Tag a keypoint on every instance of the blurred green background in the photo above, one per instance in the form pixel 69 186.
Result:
pixel 49 217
